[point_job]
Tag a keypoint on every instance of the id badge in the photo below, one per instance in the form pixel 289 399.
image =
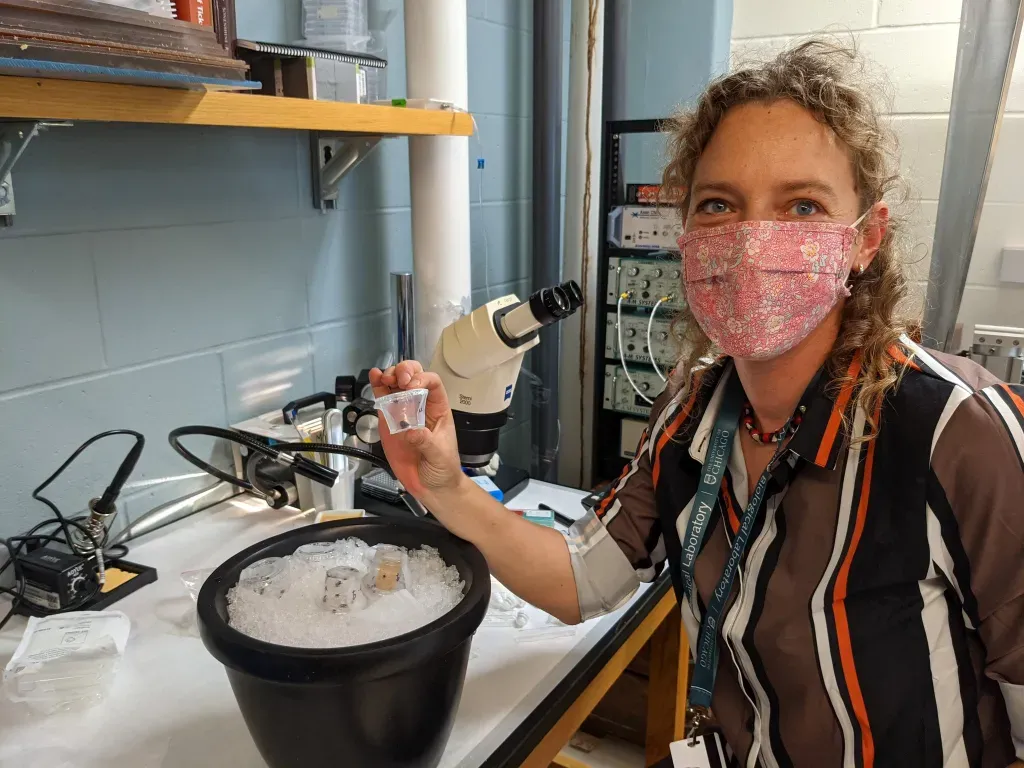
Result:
pixel 705 751
pixel 689 753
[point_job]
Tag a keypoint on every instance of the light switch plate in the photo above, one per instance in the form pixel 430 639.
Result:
pixel 1012 268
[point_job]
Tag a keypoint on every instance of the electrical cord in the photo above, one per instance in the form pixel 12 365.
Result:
pixel 650 346
pixel 279 452
pixel 89 544
pixel 174 438
pixel 251 468
pixel 113 488
pixel 341 450
pixel 283 453
pixel 408 499
pixel 18 593
pixel 15 545
pixel 622 355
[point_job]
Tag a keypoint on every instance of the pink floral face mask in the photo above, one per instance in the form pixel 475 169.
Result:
pixel 758 288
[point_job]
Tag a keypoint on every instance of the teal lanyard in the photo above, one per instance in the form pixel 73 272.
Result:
pixel 704 500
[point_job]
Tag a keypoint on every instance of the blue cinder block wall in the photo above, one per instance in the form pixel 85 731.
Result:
pixel 159 275
pixel 674 47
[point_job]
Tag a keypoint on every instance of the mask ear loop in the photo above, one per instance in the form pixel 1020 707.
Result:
pixel 860 271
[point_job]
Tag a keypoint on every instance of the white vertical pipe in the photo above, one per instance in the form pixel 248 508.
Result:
pixel 435 66
pixel 582 229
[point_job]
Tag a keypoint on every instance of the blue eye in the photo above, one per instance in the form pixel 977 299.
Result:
pixel 805 208
pixel 713 206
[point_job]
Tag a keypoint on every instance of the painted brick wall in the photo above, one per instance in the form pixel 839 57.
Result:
pixel 915 41
pixel 160 276
pixel 667 67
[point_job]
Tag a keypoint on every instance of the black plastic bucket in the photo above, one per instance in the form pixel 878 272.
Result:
pixel 389 704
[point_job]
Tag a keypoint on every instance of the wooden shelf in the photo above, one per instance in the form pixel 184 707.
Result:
pixel 44 99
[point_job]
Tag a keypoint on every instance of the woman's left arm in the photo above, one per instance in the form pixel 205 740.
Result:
pixel 976 494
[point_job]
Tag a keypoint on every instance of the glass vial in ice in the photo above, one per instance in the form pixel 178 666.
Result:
pixel 323 553
pixel 266 576
pixel 387 570
pixel 343 589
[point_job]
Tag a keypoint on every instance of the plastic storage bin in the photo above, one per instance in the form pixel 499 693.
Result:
pixel 345 26
pixel 342 18
pixel 342 81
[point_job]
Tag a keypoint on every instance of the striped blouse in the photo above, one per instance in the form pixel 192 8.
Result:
pixel 878 618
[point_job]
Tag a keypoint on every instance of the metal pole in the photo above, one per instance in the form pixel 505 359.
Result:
pixel 403 316
pixel 989 33
pixel 547 210
pixel 616 46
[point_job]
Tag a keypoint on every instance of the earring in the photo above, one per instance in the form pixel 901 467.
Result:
pixel 860 269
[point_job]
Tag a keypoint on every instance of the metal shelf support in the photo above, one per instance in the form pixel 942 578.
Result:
pixel 14 139
pixel 333 157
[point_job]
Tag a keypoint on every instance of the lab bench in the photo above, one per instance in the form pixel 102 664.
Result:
pixel 172 707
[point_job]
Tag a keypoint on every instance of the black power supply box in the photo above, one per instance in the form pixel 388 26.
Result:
pixel 55 580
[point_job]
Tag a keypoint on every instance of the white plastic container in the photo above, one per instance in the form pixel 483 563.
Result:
pixel 347 18
pixel 342 81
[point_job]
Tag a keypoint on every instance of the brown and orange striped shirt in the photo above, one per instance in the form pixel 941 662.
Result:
pixel 878 618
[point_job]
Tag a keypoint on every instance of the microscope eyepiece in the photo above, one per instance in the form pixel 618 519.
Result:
pixel 550 305
pixel 575 294
pixel 519 324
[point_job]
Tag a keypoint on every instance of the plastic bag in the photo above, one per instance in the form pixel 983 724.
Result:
pixel 503 599
pixel 67 661
pixel 193 581
pixel 505 608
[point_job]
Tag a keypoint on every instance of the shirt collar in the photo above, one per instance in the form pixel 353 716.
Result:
pixel 699 442
pixel 818 439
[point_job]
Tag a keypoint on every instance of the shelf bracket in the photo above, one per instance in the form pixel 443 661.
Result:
pixel 333 157
pixel 14 139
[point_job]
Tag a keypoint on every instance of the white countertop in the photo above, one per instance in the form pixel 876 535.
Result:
pixel 172 707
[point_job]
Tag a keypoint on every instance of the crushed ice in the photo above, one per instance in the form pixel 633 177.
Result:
pixel 334 594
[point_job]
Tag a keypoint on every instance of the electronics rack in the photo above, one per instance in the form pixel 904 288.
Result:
pixel 620 415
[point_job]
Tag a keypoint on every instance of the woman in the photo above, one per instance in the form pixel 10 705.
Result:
pixel 840 509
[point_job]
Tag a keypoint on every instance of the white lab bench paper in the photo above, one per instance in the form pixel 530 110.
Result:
pixel 172 706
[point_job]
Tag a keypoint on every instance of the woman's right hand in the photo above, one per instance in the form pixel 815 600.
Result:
pixel 425 461
pixel 531 560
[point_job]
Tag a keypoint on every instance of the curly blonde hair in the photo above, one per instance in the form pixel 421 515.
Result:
pixel 824 77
